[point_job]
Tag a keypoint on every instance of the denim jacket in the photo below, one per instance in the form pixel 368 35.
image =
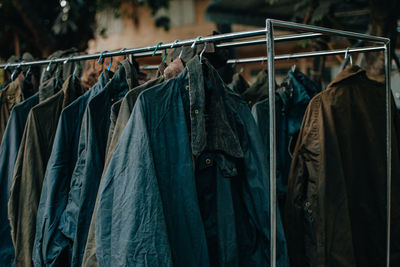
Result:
pixel 187 183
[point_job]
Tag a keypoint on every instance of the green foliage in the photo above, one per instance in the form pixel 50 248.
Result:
pixel 44 26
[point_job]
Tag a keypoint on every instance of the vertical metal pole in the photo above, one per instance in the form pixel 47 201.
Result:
pixel 272 143
pixel 388 68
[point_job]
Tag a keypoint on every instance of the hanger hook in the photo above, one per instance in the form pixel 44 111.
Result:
pixel 180 53
pixel 7 66
pixel 195 41
pixel 16 71
pixel 67 60
pixel 101 55
pixel 109 65
pixel 174 43
pixel 28 71
pixel 165 55
pixel 202 52
pixel 347 55
pixel 51 62
pixel 157 46
pixel 123 50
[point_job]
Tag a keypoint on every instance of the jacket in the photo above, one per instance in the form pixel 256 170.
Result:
pixel 8 155
pixel 291 100
pixel 163 158
pixel 33 154
pixel 10 95
pixel 50 244
pixel 87 173
pixel 335 212
pixel 118 123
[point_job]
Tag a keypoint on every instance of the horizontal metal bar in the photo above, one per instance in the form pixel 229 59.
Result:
pixel 74 58
pixel 149 67
pixel 311 28
pixel 149 49
pixel 282 38
pixel 308 54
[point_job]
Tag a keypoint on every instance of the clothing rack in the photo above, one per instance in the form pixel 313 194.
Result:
pixel 308 31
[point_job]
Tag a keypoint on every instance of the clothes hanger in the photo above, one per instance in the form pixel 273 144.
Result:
pixel 28 71
pixel 202 52
pixel 74 74
pixel 172 46
pixel 347 58
pixel 101 56
pixel 155 50
pixel 51 62
pixel 16 72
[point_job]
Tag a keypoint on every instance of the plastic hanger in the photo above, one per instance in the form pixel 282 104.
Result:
pixel 101 56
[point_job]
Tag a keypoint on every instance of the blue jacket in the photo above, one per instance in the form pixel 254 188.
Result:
pixel 187 184
pixel 87 173
pixel 291 100
pixel 51 245
pixel 8 155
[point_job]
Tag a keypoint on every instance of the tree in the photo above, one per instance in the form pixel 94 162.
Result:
pixel 43 26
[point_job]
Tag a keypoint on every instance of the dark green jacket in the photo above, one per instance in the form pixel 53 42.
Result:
pixel 30 166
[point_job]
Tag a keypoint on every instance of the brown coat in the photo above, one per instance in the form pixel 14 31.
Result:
pixel 336 205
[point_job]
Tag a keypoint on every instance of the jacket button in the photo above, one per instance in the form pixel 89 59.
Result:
pixel 308 204
pixel 187 87
pixel 234 170
pixel 196 111
pixel 208 161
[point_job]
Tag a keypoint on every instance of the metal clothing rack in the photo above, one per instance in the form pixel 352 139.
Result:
pixel 382 44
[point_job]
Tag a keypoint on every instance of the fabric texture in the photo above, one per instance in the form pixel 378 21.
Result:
pixel 335 212
pixel 8 155
pixel 10 95
pixel 118 123
pixel 189 135
pixel 87 173
pixel 291 100
pixel 33 154
pixel 51 246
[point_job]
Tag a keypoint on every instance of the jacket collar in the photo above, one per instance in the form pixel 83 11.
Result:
pixel 48 88
pixel 209 115
pixel 71 89
pixel 348 72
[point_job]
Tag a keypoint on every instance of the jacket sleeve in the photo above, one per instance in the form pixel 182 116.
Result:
pixel 301 184
pixel 25 193
pixel 130 224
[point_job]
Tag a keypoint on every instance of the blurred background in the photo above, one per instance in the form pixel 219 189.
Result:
pixel 45 26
